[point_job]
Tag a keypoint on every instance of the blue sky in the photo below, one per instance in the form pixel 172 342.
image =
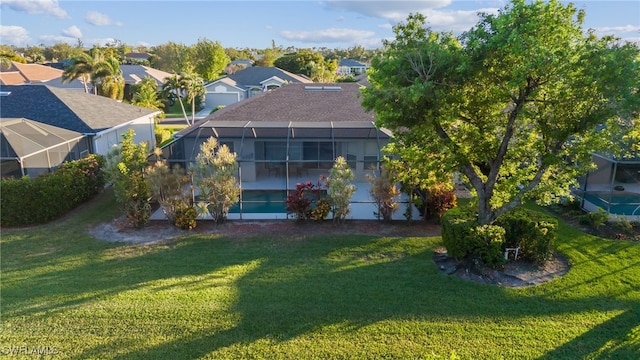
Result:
pixel 255 24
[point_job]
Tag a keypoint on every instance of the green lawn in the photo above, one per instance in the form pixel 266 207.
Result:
pixel 324 297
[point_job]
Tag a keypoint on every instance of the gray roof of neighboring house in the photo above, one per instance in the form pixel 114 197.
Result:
pixel 133 74
pixel 351 63
pixel 300 102
pixel 68 109
pixel 137 55
pixel 253 76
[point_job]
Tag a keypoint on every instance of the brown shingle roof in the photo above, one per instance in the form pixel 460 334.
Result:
pixel 300 102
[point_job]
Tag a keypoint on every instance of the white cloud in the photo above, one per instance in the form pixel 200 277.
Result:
pixel 99 19
pixel 99 42
pixel 391 10
pixel 455 21
pixel 55 39
pixel 50 7
pixel 14 35
pixel 438 19
pixel 331 35
pixel 617 29
pixel 72 31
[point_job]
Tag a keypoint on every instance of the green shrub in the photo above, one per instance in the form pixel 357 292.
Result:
pixel 489 241
pixel 321 211
pixel 28 201
pixel 598 218
pixel 186 217
pixel 456 227
pixel 532 231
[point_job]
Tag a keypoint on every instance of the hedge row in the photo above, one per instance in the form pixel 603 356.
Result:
pixel 531 231
pixel 46 197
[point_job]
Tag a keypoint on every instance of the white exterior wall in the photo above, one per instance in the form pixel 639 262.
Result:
pixel 144 130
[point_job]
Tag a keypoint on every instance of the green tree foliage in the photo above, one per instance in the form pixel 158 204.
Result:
pixel 193 86
pixel 7 55
pixel 304 61
pixel 145 94
pixel 168 187
pixel 102 71
pixel 170 57
pixel 269 55
pixel 61 51
pixel 209 59
pixel 125 165
pixel 517 104
pixel 215 178
pixel 340 189
pixel 172 90
pixel 109 78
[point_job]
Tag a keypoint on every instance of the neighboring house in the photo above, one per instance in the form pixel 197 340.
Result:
pixel 36 74
pixel 351 67
pixel 242 62
pixel 133 74
pixel 137 56
pixel 247 83
pixel 290 135
pixel 32 148
pixel 101 119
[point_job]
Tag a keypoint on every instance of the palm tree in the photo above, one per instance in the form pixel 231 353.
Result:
pixel 83 67
pixel 193 84
pixel 111 82
pixel 173 87
pixel 146 95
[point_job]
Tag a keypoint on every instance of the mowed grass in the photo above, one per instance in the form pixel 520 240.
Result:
pixel 320 297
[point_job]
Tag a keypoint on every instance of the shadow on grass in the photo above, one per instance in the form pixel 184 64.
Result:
pixel 301 287
pixel 297 287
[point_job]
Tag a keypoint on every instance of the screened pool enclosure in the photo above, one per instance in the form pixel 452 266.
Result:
pixel 33 148
pixel 613 187
pixel 274 156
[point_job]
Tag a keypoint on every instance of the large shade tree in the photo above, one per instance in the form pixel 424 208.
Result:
pixel 516 105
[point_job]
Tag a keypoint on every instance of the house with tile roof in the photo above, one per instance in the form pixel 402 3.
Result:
pixel 247 83
pixel 290 135
pixel 133 74
pixel 36 74
pixel 101 119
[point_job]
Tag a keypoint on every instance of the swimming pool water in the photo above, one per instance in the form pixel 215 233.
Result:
pixel 619 203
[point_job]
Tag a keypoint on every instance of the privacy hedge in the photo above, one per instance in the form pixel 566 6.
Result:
pixel 28 201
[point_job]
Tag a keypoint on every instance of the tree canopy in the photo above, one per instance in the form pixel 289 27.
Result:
pixel 517 105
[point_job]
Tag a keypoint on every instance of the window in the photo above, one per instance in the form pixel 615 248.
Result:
pixel 318 155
